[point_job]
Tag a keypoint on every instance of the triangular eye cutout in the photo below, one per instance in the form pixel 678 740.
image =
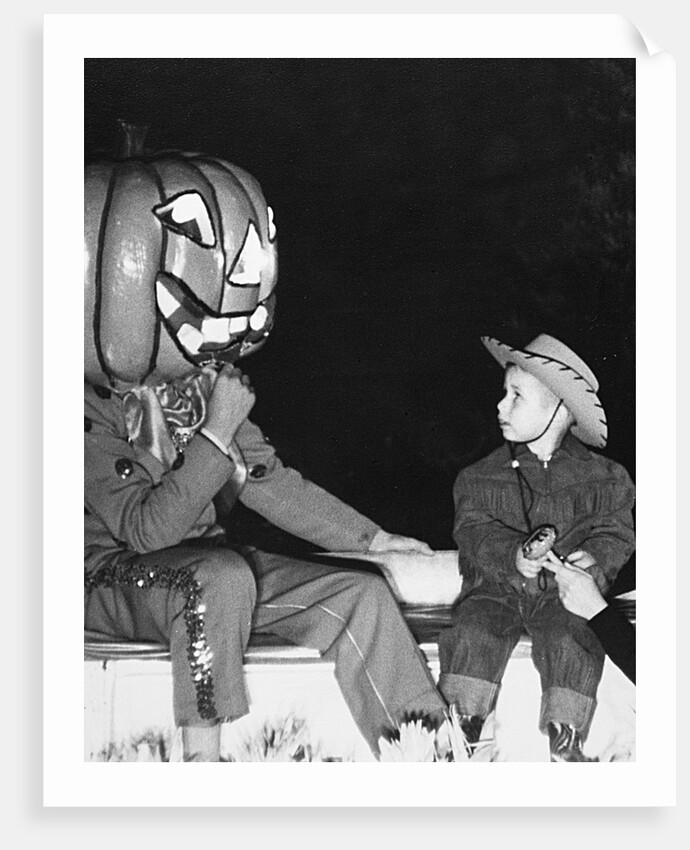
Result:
pixel 188 214
pixel 271 225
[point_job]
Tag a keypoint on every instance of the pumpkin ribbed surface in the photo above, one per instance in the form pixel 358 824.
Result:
pixel 139 249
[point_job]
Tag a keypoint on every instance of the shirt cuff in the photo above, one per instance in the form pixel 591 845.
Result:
pixel 216 442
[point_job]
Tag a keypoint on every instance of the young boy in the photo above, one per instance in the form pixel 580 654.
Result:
pixel 543 474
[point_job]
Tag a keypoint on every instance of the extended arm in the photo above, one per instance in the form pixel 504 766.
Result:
pixel 295 504
pixel 618 638
pixel 580 595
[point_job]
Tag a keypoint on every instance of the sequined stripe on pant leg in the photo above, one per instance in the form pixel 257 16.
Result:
pixel 354 643
pixel 198 652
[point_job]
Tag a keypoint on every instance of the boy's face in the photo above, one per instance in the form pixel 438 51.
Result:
pixel 526 408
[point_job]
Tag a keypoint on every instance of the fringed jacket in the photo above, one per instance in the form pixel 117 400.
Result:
pixel 587 497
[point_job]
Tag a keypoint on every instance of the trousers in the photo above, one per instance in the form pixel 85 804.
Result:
pixel 204 601
pixel 487 624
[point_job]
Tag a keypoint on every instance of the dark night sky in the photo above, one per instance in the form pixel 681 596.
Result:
pixel 419 204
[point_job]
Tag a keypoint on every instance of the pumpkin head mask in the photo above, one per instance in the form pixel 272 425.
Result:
pixel 181 264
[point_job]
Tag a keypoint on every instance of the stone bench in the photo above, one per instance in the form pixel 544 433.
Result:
pixel 128 686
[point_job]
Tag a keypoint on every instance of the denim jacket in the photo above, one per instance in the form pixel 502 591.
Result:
pixel 587 497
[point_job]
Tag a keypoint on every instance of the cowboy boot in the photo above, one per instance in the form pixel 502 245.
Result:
pixel 565 743
pixel 471 725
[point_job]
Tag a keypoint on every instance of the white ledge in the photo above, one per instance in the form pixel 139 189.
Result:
pixel 414 578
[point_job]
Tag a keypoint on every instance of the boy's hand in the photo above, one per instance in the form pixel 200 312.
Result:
pixel 526 567
pixel 576 588
pixel 385 542
pixel 231 400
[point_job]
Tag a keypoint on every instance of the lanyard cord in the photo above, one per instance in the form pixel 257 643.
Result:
pixel 541 578
pixel 521 479
pixel 515 463
pixel 553 416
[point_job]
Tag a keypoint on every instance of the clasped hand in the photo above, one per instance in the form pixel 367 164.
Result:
pixel 528 567
pixel 532 567
pixel 230 403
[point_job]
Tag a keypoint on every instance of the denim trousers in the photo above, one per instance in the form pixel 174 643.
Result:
pixel 488 623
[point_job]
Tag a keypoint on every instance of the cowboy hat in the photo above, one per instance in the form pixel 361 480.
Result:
pixel 566 375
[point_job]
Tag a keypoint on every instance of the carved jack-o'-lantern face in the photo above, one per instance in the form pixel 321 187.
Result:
pixel 181 263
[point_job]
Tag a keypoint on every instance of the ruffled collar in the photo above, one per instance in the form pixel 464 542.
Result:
pixel 162 419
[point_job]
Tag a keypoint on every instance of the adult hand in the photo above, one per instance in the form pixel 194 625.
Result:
pixel 576 587
pixel 229 405
pixel 385 542
pixel 581 559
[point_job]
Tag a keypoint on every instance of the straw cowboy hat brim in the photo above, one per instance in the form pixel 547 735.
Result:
pixel 566 375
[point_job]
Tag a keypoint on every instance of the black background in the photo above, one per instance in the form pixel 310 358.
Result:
pixel 420 203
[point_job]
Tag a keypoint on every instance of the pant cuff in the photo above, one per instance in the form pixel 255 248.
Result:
pixel 562 705
pixel 426 703
pixel 471 696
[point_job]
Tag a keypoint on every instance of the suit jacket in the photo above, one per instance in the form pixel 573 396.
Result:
pixel 134 503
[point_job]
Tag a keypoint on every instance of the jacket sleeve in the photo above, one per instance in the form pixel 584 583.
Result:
pixel 142 505
pixel 486 545
pixel 296 505
pixel 611 536
pixel 617 636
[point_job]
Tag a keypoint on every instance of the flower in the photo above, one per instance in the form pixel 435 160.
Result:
pixel 411 742
pixel 286 740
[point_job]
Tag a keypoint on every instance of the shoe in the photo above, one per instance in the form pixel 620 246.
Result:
pixel 471 725
pixel 566 743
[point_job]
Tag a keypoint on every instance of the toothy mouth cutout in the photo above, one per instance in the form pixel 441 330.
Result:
pixel 201 333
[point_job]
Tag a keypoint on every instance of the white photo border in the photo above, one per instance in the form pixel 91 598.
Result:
pixel 68 780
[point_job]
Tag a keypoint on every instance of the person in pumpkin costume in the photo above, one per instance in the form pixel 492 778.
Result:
pixel 181 266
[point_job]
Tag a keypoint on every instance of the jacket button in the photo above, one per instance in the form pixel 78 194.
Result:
pixel 258 471
pixel 124 467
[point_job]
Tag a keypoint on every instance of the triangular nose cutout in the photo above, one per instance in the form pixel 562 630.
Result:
pixel 247 269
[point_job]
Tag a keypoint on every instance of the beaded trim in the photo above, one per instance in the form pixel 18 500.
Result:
pixel 181 437
pixel 199 654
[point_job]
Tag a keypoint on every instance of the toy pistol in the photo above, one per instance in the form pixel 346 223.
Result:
pixel 541 541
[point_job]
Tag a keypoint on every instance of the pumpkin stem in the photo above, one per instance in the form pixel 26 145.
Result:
pixel 133 136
